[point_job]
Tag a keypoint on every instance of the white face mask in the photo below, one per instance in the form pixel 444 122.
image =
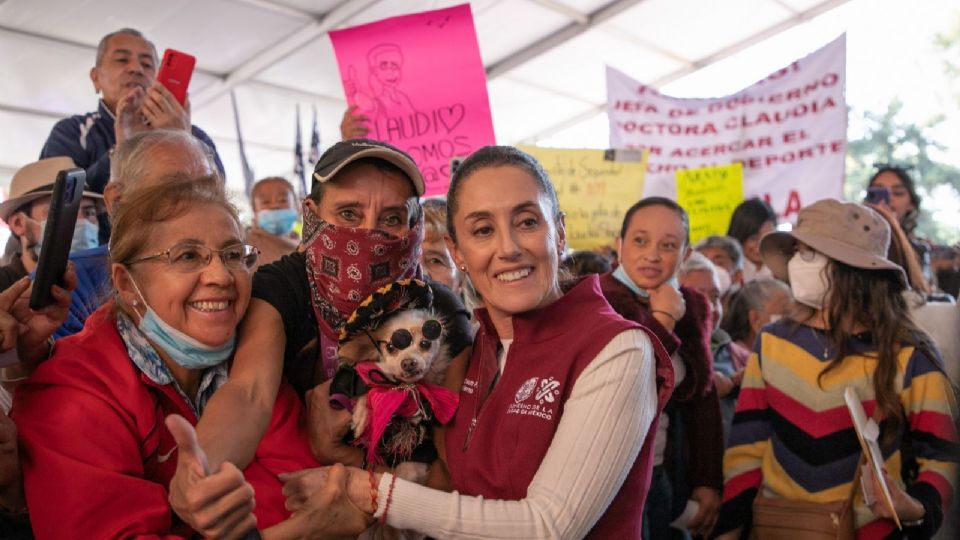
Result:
pixel 808 279
pixel 725 280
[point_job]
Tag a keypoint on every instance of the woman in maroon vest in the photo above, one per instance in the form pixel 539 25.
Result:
pixel 688 462
pixel 552 435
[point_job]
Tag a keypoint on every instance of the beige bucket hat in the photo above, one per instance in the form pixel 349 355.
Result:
pixel 35 180
pixel 847 232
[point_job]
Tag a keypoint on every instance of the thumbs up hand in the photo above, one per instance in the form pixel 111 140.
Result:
pixel 358 103
pixel 217 505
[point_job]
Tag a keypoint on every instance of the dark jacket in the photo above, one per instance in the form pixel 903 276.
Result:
pixel 88 138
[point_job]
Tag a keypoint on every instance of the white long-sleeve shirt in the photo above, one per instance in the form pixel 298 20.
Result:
pixel 599 437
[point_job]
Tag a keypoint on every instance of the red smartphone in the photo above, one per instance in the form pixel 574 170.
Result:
pixel 175 72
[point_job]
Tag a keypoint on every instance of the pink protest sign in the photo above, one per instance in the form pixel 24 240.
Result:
pixel 420 80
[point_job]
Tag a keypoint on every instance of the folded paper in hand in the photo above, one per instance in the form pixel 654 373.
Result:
pixel 869 432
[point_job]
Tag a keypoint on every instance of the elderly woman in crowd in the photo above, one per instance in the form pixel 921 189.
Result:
pixel 97 457
pixel 751 307
pixel 849 329
pixel 751 220
pixel 548 385
pixel 727 255
pixel 652 245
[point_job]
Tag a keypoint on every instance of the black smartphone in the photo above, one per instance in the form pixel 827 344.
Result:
pixel 57 235
pixel 878 195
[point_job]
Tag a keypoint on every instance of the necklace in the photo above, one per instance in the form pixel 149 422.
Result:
pixel 826 346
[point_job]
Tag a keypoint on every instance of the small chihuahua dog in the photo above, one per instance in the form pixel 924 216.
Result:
pixel 392 363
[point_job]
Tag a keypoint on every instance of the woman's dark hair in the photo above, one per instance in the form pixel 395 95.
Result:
pixel 656 201
pixel 873 299
pixel 583 263
pixel 497 156
pixel 748 219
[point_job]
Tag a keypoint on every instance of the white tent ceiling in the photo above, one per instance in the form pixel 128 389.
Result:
pixel 544 58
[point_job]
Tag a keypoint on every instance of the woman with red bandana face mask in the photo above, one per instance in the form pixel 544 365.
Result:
pixel 553 435
pixel 362 230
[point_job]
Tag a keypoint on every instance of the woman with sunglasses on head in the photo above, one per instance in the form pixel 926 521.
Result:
pixel 98 457
pixel 792 436
pixel 551 436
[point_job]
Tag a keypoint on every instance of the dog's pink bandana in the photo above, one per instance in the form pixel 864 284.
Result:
pixel 388 400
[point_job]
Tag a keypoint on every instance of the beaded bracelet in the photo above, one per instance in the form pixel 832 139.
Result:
pixel 386 505
pixel 374 492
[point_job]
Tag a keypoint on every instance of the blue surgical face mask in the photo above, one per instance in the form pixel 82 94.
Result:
pixel 85 236
pixel 181 348
pixel 277 222
pixel 620 274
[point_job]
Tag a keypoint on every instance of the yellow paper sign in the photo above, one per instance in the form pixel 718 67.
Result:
pixel 594 192
pixel 710 195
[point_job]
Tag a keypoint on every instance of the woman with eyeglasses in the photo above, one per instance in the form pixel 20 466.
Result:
pixel 792 436
pixel 98 457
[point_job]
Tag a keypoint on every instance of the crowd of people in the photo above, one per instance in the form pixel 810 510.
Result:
pixel 181 383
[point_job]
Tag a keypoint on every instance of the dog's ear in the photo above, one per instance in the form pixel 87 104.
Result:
pixel 356 350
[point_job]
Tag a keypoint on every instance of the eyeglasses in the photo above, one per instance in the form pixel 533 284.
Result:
pixel 188 258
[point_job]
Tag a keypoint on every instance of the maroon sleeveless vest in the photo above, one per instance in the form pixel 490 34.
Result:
pixel 494 449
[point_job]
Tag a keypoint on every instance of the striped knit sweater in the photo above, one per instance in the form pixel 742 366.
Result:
pixel 795 439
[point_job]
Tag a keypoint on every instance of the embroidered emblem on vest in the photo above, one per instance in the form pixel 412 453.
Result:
pixel 526 389
pixel 549 388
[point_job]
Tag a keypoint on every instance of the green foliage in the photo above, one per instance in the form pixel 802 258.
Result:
pixel 889 140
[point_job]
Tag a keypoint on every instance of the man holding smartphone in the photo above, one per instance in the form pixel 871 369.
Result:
pixel 131 101
pixel 25 213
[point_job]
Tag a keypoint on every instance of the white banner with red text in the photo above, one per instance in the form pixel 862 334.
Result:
pixel 789 131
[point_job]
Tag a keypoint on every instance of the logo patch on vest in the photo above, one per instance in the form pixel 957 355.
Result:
pixel 526 389
pixel 549 388
pixel 543 394
pixel 469 386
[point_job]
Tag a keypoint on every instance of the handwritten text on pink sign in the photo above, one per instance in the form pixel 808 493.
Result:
pixel 420 81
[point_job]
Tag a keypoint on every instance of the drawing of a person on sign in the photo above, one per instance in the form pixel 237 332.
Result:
pixel 385 71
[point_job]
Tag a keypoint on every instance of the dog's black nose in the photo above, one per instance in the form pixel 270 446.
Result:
pixel 409 364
